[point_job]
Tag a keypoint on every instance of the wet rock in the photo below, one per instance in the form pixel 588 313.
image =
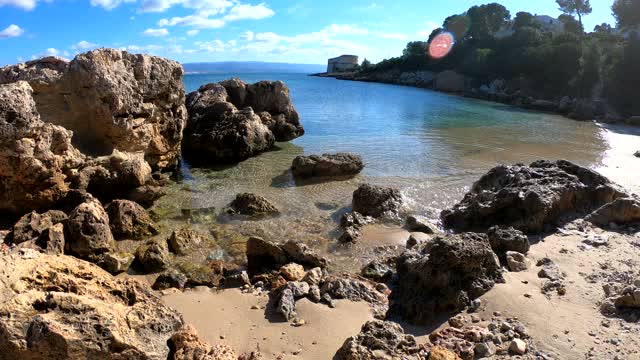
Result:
pixel 115 262
pixel 35 157
pixel 620 211
pixel 60 294
pixel 252 205
pixel 129 220
pixel 504 240
pixel 186 344
pixel 146 195
pixel 444 275
pixel 350 235
pixel 529 198
pixel 154 256
pixel 170 279
pixel 376 338
pixel 377 201
pixel 33 225
pixel 199 215
pixel 111 99
pixel 286 305
pixel 377 270
pixel 88 230
pixel 52 240
pixel 300 253
pixel 355 219
pixel 264 255
pixel 327 165
pixel 292 272
pixel 420 224
pixel 516 261
pixel 183 240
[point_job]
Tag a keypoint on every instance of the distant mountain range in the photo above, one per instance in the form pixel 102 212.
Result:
pixel 251 67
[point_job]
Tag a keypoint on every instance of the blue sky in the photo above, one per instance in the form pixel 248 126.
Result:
pixel 236 30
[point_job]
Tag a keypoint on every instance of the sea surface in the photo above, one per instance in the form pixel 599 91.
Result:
pixel 430 145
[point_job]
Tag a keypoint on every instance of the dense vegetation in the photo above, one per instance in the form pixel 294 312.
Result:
pixel 536 58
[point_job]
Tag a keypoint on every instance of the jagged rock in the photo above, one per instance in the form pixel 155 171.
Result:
pixel 444 275
pixel 252 205
pixel 327 165
pixel 531 197
pixel 314 294
pixel 417 78
pixel 356 219
pixel 32 225
pixel 377 270
pixel 88 230
pixel 377 201
pixel 264 255
pixel 299 289
pixel 154 255
pixel 516 261
pixel 35 157
pixel 60 307
pixel 287 305
pixel 170 279
pixel 420 224
pixel 313 276
pixel 300 253
pixel 146 195
pixel 186 344
pixel 111 99
pixel 237 280
pixel 507 239
pixel 377 338
pixel 183 240
pixel 52 240
pixel 355 289
pixel 129 220
pixel 350 235
pixel 292 272
pixel 620 211
pixel 116 262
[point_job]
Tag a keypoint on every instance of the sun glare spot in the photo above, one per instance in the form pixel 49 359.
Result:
pixel 441 45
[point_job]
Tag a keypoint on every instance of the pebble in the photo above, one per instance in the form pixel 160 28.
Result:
pixel 255 307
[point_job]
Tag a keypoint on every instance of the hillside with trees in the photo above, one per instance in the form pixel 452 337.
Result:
pixel 543 59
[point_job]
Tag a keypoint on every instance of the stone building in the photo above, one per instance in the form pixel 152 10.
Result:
pixel 342 63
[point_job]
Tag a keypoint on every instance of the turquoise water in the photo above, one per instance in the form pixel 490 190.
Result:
pixel 431 146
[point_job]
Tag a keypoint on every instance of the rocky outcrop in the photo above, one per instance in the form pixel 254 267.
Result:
pixel 186 344
pixel 327 165
pixel 380 339
pixel 529 198
pixel 89 231
pixel 620 211
pixel 377 201
pixel 252 205
pixel 232 121
pixel 129 220
pixel 111 100
pixel 444 275
pixel 36 158
pixel 59 307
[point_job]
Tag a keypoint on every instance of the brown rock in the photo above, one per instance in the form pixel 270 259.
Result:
pixel 186 344
pixel 620 211
pixel 378 338
pixel 327 165
pixel 88 230
pixel 292 272
pixel 154 255
pixel 129 220
pixel 52 240
pixel 252 205
pixel 181 241
pixel 440 353
pixel 32 225
pixel 377 201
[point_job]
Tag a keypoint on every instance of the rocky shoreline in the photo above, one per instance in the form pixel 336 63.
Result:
pixel 581 109
pixel 85 271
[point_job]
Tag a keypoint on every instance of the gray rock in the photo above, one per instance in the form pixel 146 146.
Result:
pixel 355 219
pixel 32 225
pixel 314 294
pixel 354 289
pixel 299 289
pixel 237 280
pixel 300 253
pixel 287 305
pixel 377 201
pixel 52 240
pixel 377 270
pixel 484 350
pixel 327 165
pixel 129 220
pixel 350 235
pixel 379 337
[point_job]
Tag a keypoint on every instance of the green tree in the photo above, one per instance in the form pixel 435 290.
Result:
pixel 458 25
pixel 603 28
pixel 486 20
pixel 571 25
pixel 577 7
pixel 589 74
pixel 623 87
pixel 523 19
pixel 366 65
pixel 627 13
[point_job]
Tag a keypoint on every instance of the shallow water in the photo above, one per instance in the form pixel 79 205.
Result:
pixel 432 146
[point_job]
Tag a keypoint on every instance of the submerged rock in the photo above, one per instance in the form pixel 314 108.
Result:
pixel 129 220
pixel 377 201
pixel 529 198
pixel 327 165
pixel 252 205
pixel 444 275
pixel 111 100
pixel 71 309
pixel 377 338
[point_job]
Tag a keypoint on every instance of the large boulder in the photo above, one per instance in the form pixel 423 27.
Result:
pixel 89 231
pixel 444 275
pixel 377 201
pixel 59 307
pixel 327 165
pixel 529 198
pixel 129 220
pixel 380 340
pixel 36 158
pixel 111 100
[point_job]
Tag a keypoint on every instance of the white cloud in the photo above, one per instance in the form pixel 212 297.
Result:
pixel 195 21
pixel 83 46
pixel 11 31
pixel 156 32
pixel 193 32
pixel 429 27
pixel 247 35
pixel 22 4
pixel 249 12
pixel 212 7
pixel 51 52
pixel 109 4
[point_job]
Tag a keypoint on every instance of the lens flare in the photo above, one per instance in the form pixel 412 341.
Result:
pixel 441 45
